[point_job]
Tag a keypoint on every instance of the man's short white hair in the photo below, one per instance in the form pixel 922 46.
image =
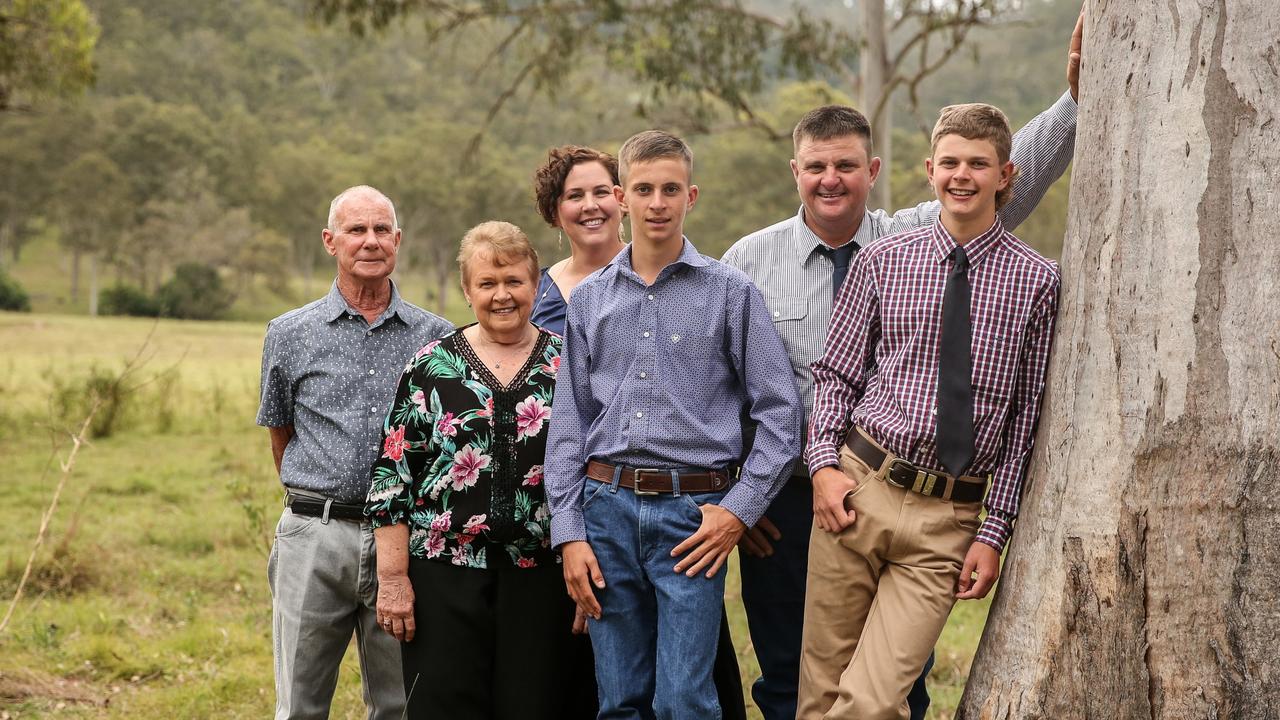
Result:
pixel 359 190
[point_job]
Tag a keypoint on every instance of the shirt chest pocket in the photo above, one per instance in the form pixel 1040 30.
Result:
pixel 788 310
pixel 997 355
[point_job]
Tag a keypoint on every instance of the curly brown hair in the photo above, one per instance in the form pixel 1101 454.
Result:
pixel 548 180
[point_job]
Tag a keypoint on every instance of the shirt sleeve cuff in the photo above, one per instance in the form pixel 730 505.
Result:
pixel 567 526
pixel 995 530
pixel 1066 108
pixel 821 456
pixel 744 504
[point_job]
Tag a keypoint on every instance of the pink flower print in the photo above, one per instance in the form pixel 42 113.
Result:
pixel 395 444
pixel 446 425
pixel 465 539
pixel 426 349
pixel 419 399
pixel 435 543
pixel 467 464
pixel 475 525
pixel 534 476
pixel 525 562
pixel 487 412
pixel 530 413
pixel 443 521
pixel 552 367
pixel 460 555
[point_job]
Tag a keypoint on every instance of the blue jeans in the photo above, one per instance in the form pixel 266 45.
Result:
pixel 655 641
pixel 773 596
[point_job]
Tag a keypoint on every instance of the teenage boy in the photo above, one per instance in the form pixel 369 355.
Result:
pixel 664 348
pixel 799 264
pixel 928 388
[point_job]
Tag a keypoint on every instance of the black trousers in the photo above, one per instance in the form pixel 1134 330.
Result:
pixel 495 644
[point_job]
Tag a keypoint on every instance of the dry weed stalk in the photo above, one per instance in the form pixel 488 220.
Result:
pixel 78 439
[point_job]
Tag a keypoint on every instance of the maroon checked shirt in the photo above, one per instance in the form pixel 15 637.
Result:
pixel 879 368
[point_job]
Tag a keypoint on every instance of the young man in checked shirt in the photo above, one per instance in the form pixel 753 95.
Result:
pixel 929 386
pixel 664 348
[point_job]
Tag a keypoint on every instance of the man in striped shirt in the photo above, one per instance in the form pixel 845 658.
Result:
pixel 929 387
pixel 792 262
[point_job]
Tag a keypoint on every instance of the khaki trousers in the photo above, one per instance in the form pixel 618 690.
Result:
pixel 878 596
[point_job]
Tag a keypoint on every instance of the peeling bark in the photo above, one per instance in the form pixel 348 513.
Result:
pixel 1141 581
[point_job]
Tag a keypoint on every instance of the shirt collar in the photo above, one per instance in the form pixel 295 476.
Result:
pixel 807 241
pixel 689 256
pixel 976 249
pixel 335 305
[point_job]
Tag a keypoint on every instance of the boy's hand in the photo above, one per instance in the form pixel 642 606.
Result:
pixel 983 560
pixel 756 541
pixel 830 487
pixel 1073 57
pixel 712 543
pixel 579 622
pixel 581 571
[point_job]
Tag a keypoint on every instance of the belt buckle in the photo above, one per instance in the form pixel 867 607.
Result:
pixel 637 474
pixel 898 462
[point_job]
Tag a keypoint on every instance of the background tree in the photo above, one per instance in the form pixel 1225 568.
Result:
pixel 706 54
pixel 46 48
pixel 1141 580
pixel 92 210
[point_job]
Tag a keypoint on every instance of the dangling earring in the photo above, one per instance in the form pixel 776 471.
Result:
pixel 559 240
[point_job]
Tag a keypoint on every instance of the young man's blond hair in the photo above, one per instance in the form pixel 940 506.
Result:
pixel 978 121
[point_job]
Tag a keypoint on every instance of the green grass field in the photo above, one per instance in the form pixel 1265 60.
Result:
pixel 149 596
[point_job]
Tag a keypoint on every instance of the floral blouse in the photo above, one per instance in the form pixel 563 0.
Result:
pixel 462 456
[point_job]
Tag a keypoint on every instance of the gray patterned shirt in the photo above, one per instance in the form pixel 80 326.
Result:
pixel 782 259
pixel 332 376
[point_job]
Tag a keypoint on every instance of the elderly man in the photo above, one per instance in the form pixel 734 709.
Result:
pixel 329 371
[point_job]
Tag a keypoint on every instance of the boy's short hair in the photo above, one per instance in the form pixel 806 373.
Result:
pixel 832 121
pixel 978 121
pixel 653 145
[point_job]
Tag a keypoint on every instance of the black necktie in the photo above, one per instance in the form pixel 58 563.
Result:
pixel 955 371
pixel 839 264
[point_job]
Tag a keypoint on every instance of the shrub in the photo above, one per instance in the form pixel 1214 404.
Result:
pixel 195 292
pixel 12 296
pixel 128 300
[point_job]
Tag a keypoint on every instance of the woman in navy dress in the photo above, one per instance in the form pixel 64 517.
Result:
pixel 575 194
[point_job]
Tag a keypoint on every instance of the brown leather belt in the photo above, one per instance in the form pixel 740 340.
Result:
pixel 903 474
pixel 651 481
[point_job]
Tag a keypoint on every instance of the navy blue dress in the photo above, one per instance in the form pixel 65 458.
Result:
pixel 549 307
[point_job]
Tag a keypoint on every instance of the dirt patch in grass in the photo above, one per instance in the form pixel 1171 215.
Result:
pixel 33 686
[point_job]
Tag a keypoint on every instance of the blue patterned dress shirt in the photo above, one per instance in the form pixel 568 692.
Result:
pixel 332 376
pixel 661 376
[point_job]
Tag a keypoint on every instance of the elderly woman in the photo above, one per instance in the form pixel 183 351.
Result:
pixel 574 192
pixel 467 580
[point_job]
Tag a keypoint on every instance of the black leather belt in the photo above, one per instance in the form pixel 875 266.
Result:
pixel 316 507
pixel 903 474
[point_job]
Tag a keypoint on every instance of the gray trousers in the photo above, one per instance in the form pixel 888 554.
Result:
pixel 323 580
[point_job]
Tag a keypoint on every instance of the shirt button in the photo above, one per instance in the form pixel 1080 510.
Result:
pixel 776 313
pixel 373 409
pixel 639 414
pixel 370 371
pixel 643 376
pixel 650 296
pixel 368 332
pixel 646 334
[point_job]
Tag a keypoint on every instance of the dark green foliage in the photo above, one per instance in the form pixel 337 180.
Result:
pixel 195 292
pixel 128 300
pixel 12 296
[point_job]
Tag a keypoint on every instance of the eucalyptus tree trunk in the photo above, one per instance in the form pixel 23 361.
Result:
pixel 875 70
pixel 1142 579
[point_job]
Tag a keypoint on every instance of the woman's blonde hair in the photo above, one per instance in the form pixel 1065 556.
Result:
pixel 508 244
